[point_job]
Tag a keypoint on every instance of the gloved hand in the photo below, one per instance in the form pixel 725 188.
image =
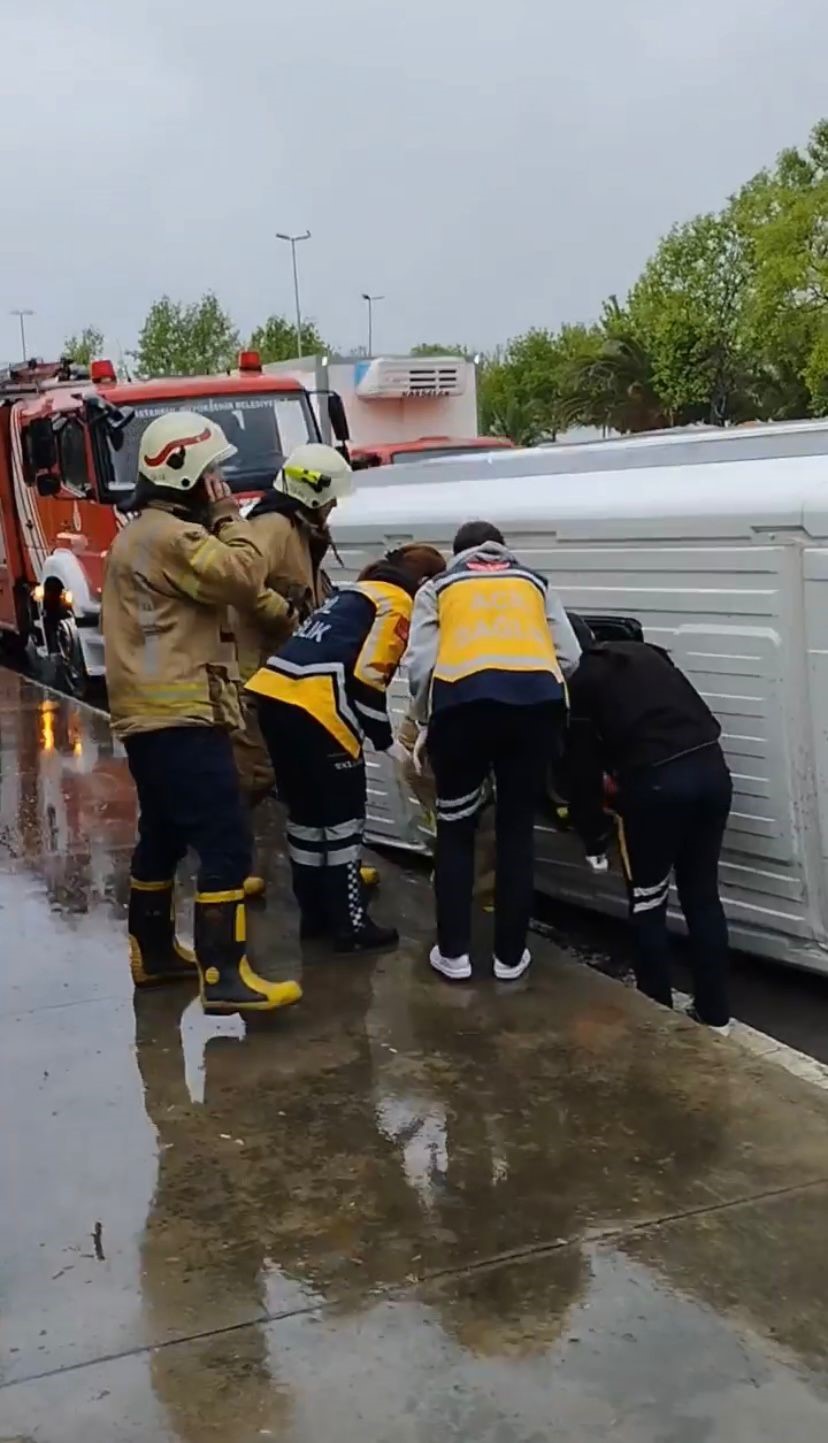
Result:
pixel 398 753
pixel 418 755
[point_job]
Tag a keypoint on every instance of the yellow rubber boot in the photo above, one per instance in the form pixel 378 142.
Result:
pixel 254 888
pixel 228 982
pixel 155 953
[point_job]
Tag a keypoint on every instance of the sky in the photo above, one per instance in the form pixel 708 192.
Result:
pixel 484 166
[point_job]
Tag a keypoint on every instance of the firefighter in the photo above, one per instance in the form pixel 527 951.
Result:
pixel 291 528
pixel 291 525
pixel 318 698
pixel 490 646
pixel 636 717
pixel 174 700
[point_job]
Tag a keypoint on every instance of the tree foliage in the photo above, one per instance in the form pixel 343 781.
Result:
pixel 85 346
pixel 186 339
pixel 275 340
pixel 424 348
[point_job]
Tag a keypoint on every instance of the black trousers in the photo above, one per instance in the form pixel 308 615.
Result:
pixel 188 796
pixel 673 819
pixel 467 744
pixel 323 790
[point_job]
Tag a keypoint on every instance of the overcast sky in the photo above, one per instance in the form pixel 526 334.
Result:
pixel 486 164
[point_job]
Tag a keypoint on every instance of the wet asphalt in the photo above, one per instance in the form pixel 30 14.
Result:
pixel 400 1211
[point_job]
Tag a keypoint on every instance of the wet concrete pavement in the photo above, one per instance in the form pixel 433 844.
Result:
pixel 398 1211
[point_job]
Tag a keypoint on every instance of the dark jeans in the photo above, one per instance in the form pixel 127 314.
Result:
pixel 466 745
pixel 188 795
pixel 323 790
pixel 673 820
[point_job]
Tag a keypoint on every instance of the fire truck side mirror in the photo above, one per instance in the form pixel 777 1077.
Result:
pixel 41 446
pixel 337 417
pixel 47 483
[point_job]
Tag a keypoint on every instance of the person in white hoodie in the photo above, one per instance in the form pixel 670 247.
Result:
pixel 489 649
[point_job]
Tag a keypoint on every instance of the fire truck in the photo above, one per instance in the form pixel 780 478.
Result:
pixel 69 443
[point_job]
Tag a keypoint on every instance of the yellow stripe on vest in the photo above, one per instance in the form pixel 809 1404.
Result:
pixel 314 694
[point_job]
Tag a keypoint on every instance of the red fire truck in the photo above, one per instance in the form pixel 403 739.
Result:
pixel 69 440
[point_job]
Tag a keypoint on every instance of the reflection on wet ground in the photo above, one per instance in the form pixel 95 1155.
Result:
pixel 399 1211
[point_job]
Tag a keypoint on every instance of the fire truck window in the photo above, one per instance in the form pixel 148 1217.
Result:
pixel 74 470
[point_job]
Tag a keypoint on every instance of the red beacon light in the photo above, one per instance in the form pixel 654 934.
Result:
pixel 101 372
pixel 250 361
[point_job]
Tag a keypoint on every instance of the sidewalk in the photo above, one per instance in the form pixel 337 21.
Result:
pixel 400 1211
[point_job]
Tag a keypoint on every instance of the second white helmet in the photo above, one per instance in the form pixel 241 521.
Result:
pixel 177 448
pixel 315 475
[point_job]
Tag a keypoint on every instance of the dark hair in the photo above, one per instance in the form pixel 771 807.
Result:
pixel 475 533
pixel 422 562
pixel 391 574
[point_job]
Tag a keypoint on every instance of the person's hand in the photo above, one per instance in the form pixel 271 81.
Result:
pixel 397 753
pixel 418 754
pixel 217 488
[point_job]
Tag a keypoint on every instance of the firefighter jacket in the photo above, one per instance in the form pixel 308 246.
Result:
pixel 338 665
pixel 488 629
pixel 170 653
pixel 293 549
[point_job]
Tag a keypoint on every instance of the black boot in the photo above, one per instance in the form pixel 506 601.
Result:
pixel 228 982
pixel 354 930
pixel 155 954
pixel 309 891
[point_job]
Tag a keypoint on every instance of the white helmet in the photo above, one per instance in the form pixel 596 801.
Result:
pixel 177 448
pixel 316 475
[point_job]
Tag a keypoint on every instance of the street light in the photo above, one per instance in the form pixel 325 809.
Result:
pixel 21 313
pixel 292 241
pixel 371 300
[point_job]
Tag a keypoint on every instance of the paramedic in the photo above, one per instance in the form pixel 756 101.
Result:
pixel 290 525
pixel 318 698
pixel 173 696
pixel 636 717
pixel 490 646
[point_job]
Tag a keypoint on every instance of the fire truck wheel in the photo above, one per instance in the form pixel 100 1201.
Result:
pixel 69 663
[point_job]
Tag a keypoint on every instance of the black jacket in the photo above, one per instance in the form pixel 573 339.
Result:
pixel 630 708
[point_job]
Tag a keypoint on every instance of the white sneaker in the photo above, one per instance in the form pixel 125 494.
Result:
pixel 511 974
pixel 456 969
pixel 724 1031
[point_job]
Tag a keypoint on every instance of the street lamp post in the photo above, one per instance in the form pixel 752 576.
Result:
pixel 292 241
pixel 371 300
pixel 21 312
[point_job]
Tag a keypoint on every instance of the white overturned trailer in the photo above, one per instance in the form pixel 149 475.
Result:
pixel 725 563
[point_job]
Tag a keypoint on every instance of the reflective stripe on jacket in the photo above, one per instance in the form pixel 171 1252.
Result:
pixel 488 629
pixel 170 653
pixel 339 663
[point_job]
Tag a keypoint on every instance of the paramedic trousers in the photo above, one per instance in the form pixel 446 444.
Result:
pixel 188 796
pixel 468 744
pixel 673 819
pixel 323 790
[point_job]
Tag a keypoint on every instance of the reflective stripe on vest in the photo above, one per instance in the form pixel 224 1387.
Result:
pixel 493 623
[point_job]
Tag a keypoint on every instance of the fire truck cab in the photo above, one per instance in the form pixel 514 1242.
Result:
pixel 69 443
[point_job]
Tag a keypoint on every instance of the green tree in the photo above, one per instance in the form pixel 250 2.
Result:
pixel 782 214
pixel 608 381
pixel 275 340
pixel 424 348
pixel 686 312
pixel 179 339
pixel 84 347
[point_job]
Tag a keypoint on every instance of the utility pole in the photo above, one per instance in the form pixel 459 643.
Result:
pixel 292 241
pixel 21 313
pixel 371 300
